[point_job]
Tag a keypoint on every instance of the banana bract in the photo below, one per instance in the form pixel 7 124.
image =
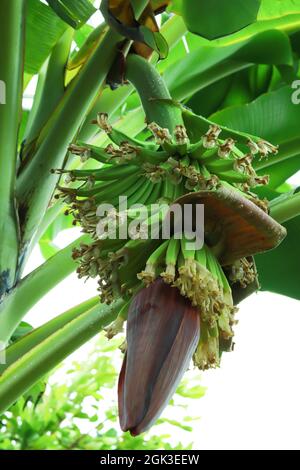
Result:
pixel 180 301
pixel 162 334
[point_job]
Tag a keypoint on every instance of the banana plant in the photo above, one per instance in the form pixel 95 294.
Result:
pixel 169 103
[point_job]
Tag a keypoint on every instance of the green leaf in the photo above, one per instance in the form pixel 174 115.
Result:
pixel 17 350
pixel 283 15
pixel 22 330
pixel 279 269
pixel 175 423
pixel 87 44
pixel 75 14
pixel 43 29
pixel 281 171
pixel 48 248
pixel 286 206
pixel 82 34
pixel 218 18
pixel 274 117
pixel 208 64
pixel 274 8
pixel 50 89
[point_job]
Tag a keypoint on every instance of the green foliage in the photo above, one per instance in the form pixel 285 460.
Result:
pixel 207 65
pixel 285 278
pixel 217 17
pixel 76 413
pixel 275 116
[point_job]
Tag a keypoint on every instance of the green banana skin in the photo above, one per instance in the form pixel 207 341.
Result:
pixel 140 196
pixel 109 173
pixel 173 251
pixel 233 176
pixel 106 189
pixel 145 155
pixel 118 138
pixel 114 198
pixel 223 164
pixel 175 149
pixel 155 193
pixel 96 153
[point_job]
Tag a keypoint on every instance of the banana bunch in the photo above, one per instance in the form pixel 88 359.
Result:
pixel 158 172
pixel 161 169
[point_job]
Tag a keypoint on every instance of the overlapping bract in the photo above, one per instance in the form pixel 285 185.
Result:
pixel 179 301
pixel 162 334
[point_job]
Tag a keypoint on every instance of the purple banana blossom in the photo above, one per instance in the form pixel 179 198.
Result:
pixel 163 330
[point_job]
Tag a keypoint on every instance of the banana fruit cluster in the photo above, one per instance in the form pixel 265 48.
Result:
pixel 161 170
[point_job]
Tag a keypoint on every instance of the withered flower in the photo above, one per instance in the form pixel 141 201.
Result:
pixel 163 332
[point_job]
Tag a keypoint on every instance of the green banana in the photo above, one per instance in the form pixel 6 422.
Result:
pixel 130 191
pixel 107 173
pixel 118 138
pixel 212 264
pixel 155 193
pixel 197 151
pixel 159 254
pixel 96 153
pixel 224 164
pixel 188 254
pixel 173 251
pixel 117 189
pixel 140 196
pixel 201 257
pixel 233 176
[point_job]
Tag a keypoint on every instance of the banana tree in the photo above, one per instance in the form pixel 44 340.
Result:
pixel 164 102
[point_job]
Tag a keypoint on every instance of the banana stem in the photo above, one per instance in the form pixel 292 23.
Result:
pixel 154 94
pixel 44 356
pixel 34 286
pixel 286 209
pixel 111 100
pixel 17 349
